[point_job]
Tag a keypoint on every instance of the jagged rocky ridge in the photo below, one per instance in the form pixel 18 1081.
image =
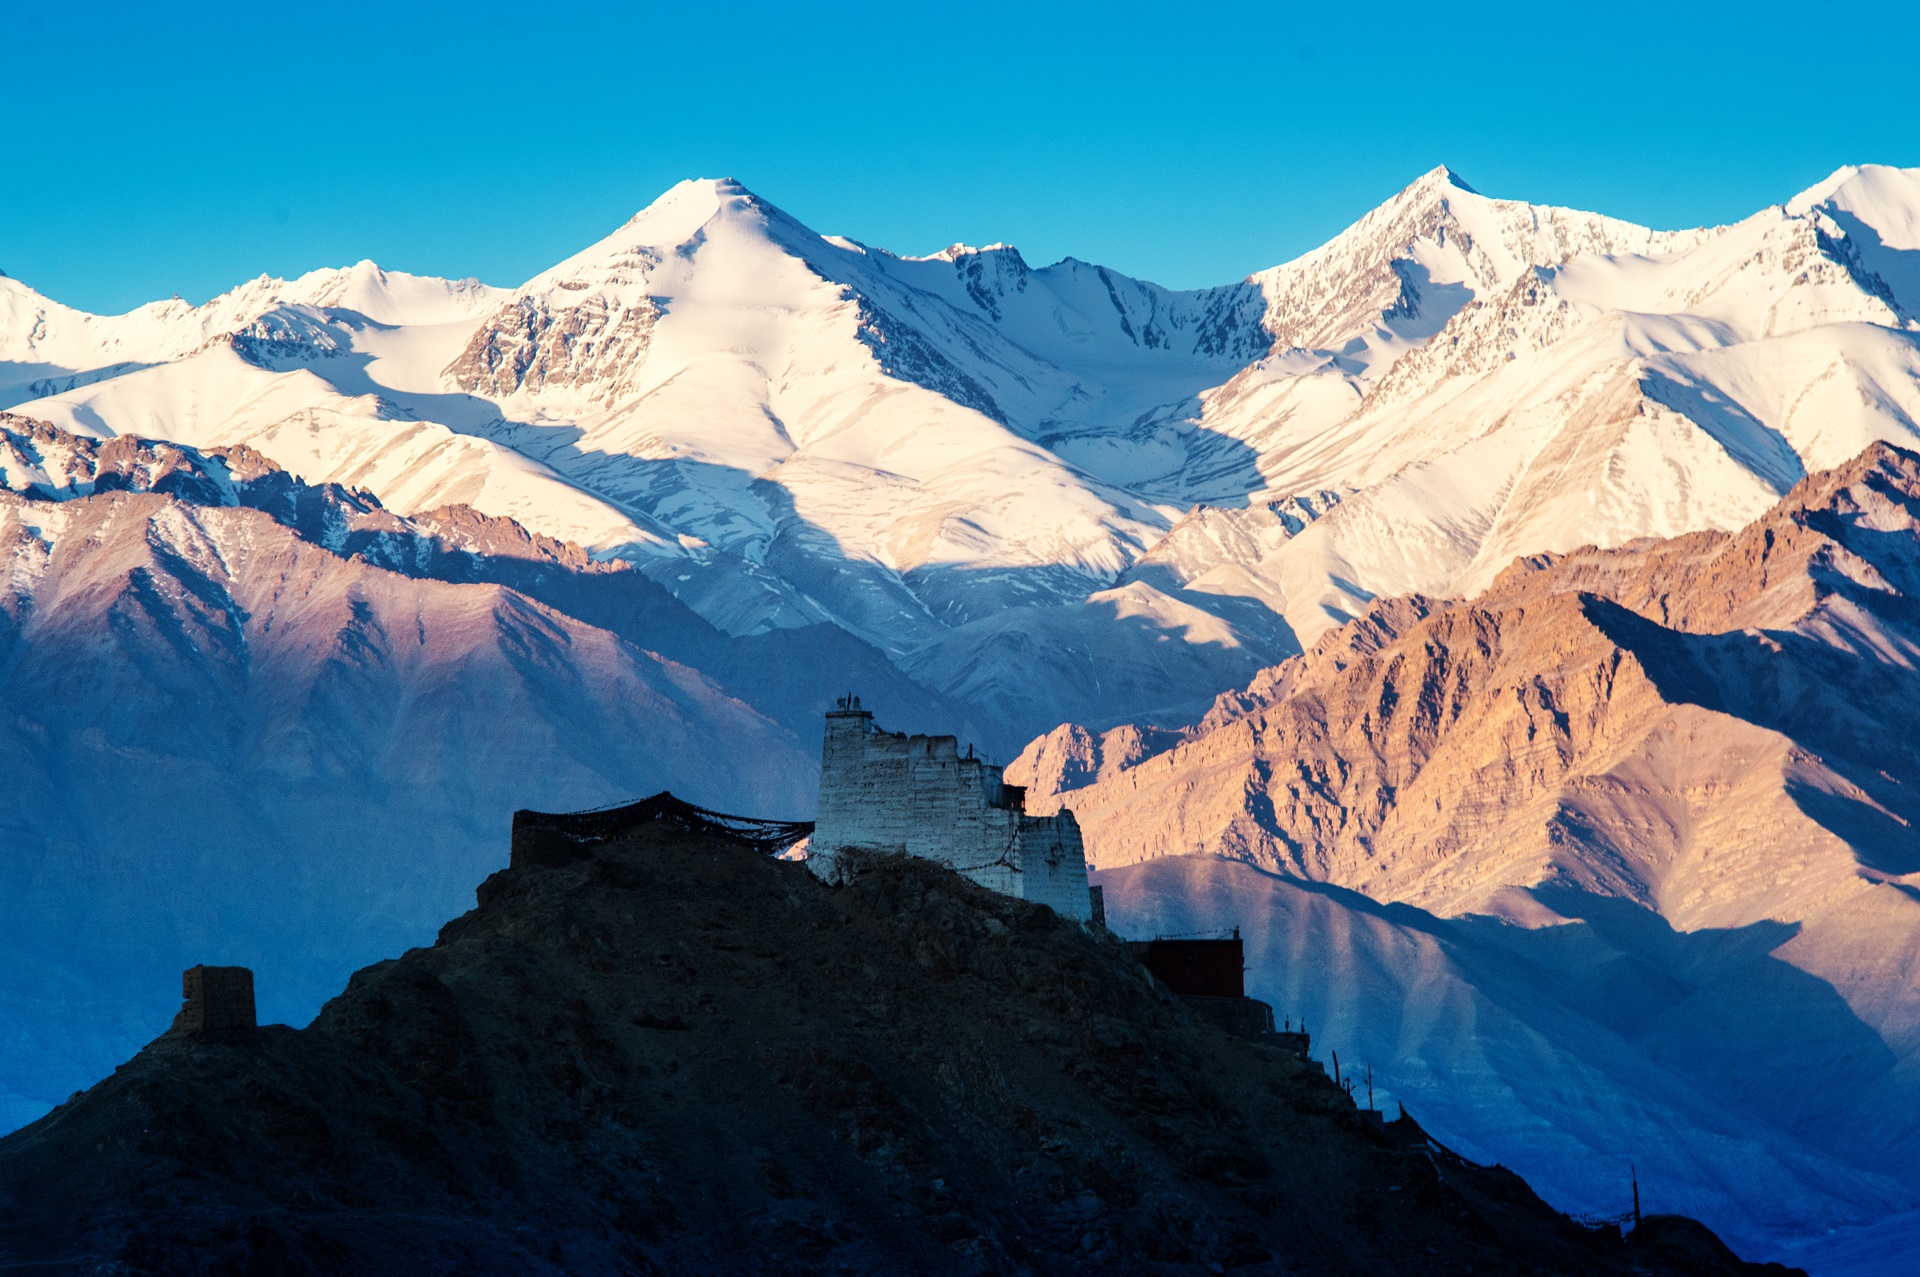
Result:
pixel 782 674
pixel 673 1054
pixel 1671 785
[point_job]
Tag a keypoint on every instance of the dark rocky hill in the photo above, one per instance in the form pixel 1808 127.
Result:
pixel 673 1055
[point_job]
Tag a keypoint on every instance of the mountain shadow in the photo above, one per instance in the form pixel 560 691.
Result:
pixel 1567 1051
pixel 1845 707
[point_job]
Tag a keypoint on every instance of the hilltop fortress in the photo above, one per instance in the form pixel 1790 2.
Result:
pixel 916 795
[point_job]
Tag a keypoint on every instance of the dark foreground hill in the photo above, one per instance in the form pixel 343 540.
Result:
pixel 673 1055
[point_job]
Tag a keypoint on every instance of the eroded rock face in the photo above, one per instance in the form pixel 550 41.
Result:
pixel 597 345
pixel 1618 754
pixel 673 1055
pixel 1708 725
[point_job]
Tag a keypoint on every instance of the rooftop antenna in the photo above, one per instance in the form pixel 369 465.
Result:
pixel 1369 1087
pixel 1635 1172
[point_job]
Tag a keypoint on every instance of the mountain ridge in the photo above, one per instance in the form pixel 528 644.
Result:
pixel 271 717
pixel 1038 432
pixel 1705 735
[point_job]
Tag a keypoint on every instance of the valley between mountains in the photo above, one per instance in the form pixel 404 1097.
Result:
pixel 1502 613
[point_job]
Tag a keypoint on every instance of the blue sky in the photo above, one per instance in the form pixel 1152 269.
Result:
pixel 165 147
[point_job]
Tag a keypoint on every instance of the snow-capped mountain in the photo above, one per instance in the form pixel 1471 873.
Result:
pixel 971 463
pixel 1645 821
pixel 1540 380
pixel 992 497
pixel 784 429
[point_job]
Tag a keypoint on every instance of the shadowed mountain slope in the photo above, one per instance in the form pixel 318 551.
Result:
pixel 671 1054
pixel 250 719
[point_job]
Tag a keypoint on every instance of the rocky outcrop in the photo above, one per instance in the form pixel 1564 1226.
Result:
pixel 1638 722
pixel 672 1054
pixel 1701 746
pixel 597 346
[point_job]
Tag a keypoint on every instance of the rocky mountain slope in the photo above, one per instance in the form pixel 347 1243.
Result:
pixel 1654 806
pixel 672 1054
pixel 275 722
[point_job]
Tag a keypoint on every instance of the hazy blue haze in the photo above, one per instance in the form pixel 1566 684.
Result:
pixel 159 148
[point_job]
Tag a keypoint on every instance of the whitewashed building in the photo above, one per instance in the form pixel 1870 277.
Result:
pixel 917 795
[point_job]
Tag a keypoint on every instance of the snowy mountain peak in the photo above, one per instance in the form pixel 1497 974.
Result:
pixel 677 225
pixel 1883 197
pixel 1820 192
pixel 1868 217
pixel 388 297
pixel 1858 186
pixel 1438 181
pixel 682 210
pixel 961 252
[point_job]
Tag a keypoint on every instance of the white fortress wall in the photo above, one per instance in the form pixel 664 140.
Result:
pixel 1053 866
pixel 915 795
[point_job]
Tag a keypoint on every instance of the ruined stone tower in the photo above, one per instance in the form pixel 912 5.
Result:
pixel 218 1002
pixel 916 795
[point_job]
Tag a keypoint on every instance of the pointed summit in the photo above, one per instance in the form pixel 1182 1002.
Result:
pixel 689 204
pixel 1436 183
pixel 677 219
pixel 1882 196
pixel 681 210
pixel 672 221
pixel 1820 192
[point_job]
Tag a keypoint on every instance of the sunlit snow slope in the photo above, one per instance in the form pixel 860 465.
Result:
pixel 989 471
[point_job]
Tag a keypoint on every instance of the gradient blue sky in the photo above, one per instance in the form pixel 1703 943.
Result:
pixel 163 147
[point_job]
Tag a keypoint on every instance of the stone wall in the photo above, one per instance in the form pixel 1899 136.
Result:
pixel 917 795
pixel 218 1001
